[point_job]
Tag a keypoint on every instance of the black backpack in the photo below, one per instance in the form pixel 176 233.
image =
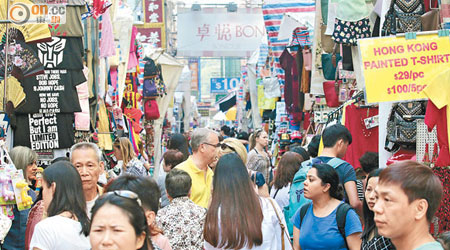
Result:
pixel 150 68
pixel 341 217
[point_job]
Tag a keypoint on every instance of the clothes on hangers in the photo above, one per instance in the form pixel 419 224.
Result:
pixel 352 10
pixel 291 86
pixel 437 91
pixel 364 139
pixel 438 117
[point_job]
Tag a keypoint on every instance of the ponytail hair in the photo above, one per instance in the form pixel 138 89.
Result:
pixel 253 136
pixel 328 175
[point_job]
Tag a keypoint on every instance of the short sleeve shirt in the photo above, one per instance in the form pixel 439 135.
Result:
pixel 201 185
pixel 345 171
pixel 59 233
pixel 322 233
pixel 431 246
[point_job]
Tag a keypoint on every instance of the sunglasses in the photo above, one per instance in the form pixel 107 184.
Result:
pixel 126 194
pixel 224 146
pixel 213 145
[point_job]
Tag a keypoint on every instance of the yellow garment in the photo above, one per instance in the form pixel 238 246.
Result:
pixel 104 138
pixel 439 93
pixel 201 185
pixel 263 102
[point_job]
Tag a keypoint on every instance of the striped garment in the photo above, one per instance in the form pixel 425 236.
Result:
pixel 273 11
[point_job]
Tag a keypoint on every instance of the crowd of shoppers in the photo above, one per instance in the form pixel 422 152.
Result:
pixel 223 196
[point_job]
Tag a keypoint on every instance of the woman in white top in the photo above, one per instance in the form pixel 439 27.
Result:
pixel 237 218
pixel 258 158
pixel 287 167
pixel 67 225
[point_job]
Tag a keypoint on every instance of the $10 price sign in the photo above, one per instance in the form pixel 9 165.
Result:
pixel 396 69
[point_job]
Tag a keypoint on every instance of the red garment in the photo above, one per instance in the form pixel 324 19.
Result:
pixel 291 84
pixel 35 215
pixel 364 139
pixel 438 117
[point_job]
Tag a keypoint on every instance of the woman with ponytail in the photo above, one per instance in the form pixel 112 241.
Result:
pixel 258 159
pixel 316 223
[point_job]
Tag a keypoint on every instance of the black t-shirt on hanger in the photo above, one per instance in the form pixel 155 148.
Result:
pixel 44 131
pixel 52 92
pixel 61 53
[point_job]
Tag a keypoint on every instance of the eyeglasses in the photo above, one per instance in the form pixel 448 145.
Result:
pixel 224 146
pixel 127 194
pixel 213 145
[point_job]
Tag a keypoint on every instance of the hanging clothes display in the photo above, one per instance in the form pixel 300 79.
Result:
pixel 291 86
pixel 364 139
pixel 441 101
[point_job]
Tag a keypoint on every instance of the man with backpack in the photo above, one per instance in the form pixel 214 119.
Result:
pixel 336 139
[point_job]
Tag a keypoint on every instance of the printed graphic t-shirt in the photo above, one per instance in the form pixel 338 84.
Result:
pixel 44 131
pixel 52 92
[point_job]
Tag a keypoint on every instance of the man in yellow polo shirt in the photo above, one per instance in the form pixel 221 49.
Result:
pixel 204 144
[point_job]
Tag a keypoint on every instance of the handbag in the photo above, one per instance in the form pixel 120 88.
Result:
pixel 400 129
pixel 403 16
pixel 283 227
pixel 151 110
pixel 150 89
pixel 329 63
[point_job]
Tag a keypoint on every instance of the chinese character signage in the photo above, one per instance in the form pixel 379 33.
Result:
pixel 397 69
pixel 154 11
pixel 153 29
pixel 150 35
pixel 215 32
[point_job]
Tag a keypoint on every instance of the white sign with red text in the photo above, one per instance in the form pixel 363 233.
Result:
pixel 215 32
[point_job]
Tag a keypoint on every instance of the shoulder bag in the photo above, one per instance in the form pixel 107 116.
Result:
pixel 283 228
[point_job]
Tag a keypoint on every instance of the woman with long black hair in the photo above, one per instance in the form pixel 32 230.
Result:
pixel 67 225
pixel 370 237
pixel 237 218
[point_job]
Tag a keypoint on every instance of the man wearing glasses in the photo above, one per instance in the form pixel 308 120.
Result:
pixel 204 144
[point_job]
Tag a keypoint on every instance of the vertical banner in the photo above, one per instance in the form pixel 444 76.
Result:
pixel 397 69
pixel 193 67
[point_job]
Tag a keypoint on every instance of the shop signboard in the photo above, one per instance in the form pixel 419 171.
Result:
pixel 398 69
pixel 213 32
pixel 223 85
pixel 151 35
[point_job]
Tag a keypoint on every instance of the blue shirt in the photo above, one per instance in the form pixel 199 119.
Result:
pixel 345 171
pixel 431 246
pixel 322 233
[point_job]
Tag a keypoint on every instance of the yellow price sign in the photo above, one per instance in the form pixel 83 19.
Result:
pixel 397 69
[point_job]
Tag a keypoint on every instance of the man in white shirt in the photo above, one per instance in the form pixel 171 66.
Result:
pixel 86 157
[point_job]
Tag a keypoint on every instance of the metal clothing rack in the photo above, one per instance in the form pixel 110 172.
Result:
pixel 359 96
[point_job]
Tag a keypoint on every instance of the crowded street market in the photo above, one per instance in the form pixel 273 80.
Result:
pixel 224 124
